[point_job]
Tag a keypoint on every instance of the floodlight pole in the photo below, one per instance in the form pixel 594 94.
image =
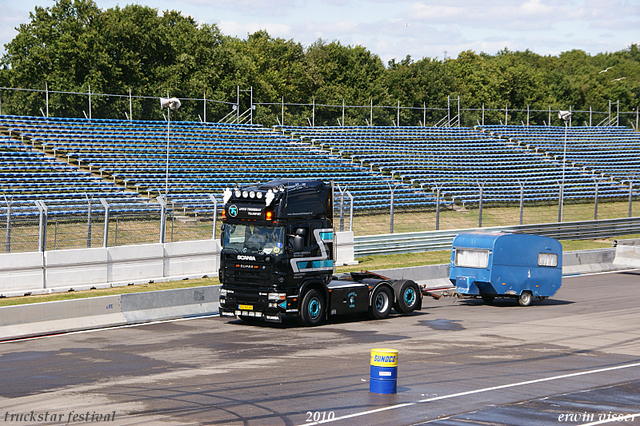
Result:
pixel 595 207
pixel 392 190
pixel 371 114
pixel 438 187
pixel 566 117
pixel 46 89
pixel 166 176
pixel 521 200
pixel 480 205
pixel 564 161
pixel 630 196
pixel 424 114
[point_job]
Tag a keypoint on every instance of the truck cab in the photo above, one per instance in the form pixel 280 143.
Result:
pixel 277 259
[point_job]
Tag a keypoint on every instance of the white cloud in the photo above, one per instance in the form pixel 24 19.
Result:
pixel 420 28
pixel 243 29
pixel 242 7
pixel 10 19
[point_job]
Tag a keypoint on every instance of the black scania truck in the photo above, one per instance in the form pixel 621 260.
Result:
pixel 278 256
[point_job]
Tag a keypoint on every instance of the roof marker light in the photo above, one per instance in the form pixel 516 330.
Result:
pixel 226 195
pixel 269 198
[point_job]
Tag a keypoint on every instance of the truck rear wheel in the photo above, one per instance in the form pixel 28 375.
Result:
pixel 381 301
pixel 312 309
pixel 407 294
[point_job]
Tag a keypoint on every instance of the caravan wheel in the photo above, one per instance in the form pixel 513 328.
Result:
pixel 525 298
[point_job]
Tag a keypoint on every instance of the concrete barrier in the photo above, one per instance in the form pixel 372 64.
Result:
pixel 345 249
pixel 55 317
pixel 81 314
pixel 166 304
pixel 75 269
pixel 627 253
pixel 21 273
pixel 588 261
pixel 191 259
pixel 135 264
pixel 83 269
pixel 107 311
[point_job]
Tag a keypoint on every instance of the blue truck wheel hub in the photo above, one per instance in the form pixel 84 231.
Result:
pixel 314 308
pixel 409 296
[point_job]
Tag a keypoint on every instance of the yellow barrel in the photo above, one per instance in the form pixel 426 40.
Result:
pixel 384 371
pixel 384 357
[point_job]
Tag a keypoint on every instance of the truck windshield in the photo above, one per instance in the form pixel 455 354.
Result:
pixel 253 239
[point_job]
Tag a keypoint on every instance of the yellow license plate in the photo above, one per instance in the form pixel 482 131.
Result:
pixel 245 307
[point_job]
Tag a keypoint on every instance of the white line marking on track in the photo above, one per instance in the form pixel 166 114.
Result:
pixel 456 395
pixel 599 273
pixel 115 327
pixel 619 418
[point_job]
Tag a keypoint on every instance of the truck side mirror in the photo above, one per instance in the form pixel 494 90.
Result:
pixel 298 239
pixel 298 243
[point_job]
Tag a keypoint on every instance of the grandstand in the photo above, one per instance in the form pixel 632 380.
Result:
pixel 459 160
pixel 205 158
pixel 64 162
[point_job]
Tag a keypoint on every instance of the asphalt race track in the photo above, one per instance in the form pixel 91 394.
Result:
pixel 573 359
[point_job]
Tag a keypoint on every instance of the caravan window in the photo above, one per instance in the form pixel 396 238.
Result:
pixel 468 258
pixel 547 259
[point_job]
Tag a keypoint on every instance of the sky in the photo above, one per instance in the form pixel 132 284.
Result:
pixel 394 29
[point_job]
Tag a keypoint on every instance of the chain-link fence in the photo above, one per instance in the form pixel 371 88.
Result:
pixel 246 108
pixel 59 232
pixel 51 229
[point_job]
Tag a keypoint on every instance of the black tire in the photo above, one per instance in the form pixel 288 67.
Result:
pixel 525 298
pixel 408 297
pixel 488 298
pixel 381 302
pixel 312 308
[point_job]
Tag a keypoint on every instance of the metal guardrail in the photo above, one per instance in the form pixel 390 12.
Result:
pixel 413 242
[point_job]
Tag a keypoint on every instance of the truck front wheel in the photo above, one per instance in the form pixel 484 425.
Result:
pixel 312 309
pixel 381 301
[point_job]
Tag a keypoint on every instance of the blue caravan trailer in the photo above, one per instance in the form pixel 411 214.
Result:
pixel 490 265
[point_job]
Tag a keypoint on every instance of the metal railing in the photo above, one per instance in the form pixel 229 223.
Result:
pixel 413 242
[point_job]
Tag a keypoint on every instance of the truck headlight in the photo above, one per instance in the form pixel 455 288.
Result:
pixel 224 292
pixel 277 296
